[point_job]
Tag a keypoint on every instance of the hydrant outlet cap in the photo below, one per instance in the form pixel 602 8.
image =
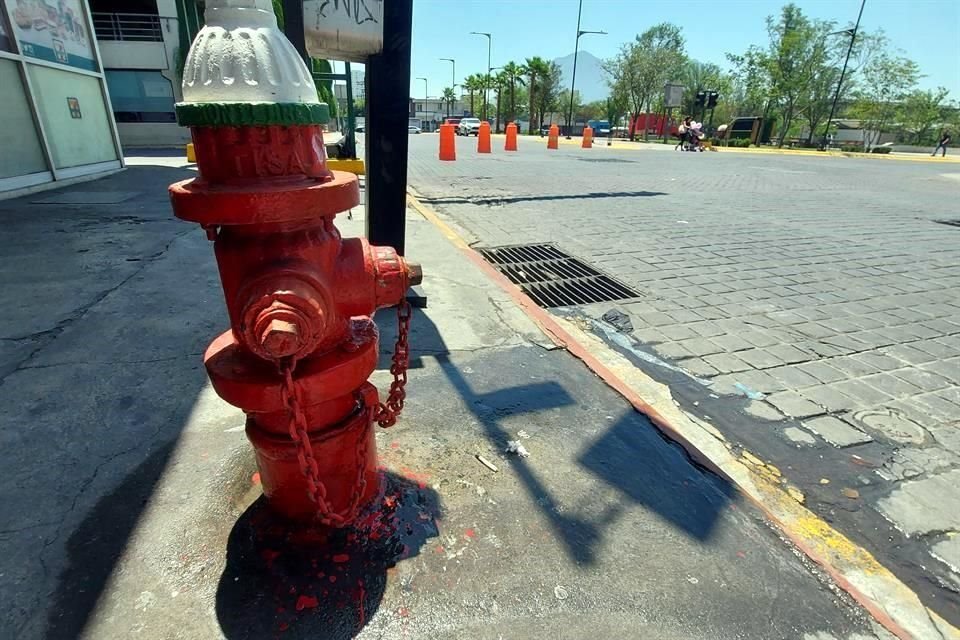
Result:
pixel 414 273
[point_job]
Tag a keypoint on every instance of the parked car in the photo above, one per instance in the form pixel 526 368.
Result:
pixel 544 129
pixel 469 127
pixel 413 129
pixel 454 121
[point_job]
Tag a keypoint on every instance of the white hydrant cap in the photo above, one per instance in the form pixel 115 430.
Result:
pixel 241 55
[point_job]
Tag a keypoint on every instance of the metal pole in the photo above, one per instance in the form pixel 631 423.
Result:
pixel 486 83
pixel 350 149
pixel 843 72
pixel 293 28
pixel 388 108
pixel 573 81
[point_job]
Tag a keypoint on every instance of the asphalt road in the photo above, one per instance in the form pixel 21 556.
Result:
pixel 807 307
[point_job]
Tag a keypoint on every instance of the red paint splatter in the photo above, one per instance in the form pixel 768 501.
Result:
pixel 394 445
pixel 255 478
pixel 284 626
pixel 470 533
pixel 332 578
pixel 440 548
pixel 341 557
pixel 306 602
pixel 363 596
pixel 741 554
pixel 321 574
pixel 269 555
pixel 403 612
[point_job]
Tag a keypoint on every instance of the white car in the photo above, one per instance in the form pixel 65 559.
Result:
pixel 469 127
pixel 413 129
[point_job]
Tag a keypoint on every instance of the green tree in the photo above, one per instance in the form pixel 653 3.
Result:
pixel 705 76
pixel 325 87
pixel 616 106
pixel 449 96
pixel 547 90
pixel 920 111
pixel 886 81
pixel 537 71
pixel 514 75
pixel 596 110
pixel 563 104
pixel 473 84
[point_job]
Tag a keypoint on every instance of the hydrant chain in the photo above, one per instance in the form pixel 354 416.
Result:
pixel 316 490
pixel 387 412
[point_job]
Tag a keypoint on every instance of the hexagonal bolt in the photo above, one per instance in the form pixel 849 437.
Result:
pixel 280 338
pixel 414 273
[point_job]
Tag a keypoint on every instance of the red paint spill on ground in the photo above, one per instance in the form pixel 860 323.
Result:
pixel 741 554
pixel 306 602
pixel 255 478
pixel 394 445
pixel 403 612
pixel 440 548
pixel 332 578
pixel 341 557
pixel 284 626
pixel 470 533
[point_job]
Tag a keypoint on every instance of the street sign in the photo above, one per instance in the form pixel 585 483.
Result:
pixel 672 95
pixel 343 30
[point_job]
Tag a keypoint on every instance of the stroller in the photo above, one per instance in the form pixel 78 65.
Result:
pixel 693 140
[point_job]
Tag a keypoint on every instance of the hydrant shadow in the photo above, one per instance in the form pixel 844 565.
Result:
pixel 307 582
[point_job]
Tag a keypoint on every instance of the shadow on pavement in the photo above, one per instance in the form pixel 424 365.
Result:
pixel 501 200
pixel 631 456
pixel 322 584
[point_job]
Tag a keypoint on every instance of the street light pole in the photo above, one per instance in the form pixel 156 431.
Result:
pixel 453 78
pixel 573 81
pixel 836 96
pixel 489 46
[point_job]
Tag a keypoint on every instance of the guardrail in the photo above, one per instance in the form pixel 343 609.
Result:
pixel 127 27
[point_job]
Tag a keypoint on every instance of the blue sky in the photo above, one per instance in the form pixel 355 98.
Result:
pixel 926 30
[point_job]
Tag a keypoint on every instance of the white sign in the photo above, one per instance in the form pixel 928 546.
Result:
pixel 672 95
pixel 53 32
pixel 343 29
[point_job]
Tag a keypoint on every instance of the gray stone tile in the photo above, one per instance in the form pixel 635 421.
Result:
pixel 836 431
pixel 788 354
pixel 853 367
pixel 864 394
pixel 799 437
pixel 922 506
pixel 673 351
pixel 699 368
pixel 908 354
pixel 891 385
pixel 760 358
pixel 726 363
pixel 822 371
pixel 678 331
pixel 878 361
pixel 794 405
pixel 948 552
pixel 731 343
pixel 829 398
pixel 924 380
pixel 949 369
pixel 792 377
pixel 706 328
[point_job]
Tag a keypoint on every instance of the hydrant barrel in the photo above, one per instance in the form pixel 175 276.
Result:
pixel 301 343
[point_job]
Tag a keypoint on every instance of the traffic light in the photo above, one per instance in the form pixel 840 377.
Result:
pixel 701 98
pixel 712 99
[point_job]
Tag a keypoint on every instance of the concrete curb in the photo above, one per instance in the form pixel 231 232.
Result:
pixel 841 154
pixel 854 569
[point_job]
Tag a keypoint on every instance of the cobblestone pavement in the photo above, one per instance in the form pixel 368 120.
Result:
pixel 811 305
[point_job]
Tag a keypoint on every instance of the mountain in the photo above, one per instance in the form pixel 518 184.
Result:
pixel 591 78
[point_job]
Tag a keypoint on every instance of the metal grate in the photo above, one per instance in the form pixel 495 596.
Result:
pixel 553 278
pixel 952 223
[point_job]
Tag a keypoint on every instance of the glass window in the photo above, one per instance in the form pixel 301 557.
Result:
pixel 54 32
pixel 140 96
pixel 20 150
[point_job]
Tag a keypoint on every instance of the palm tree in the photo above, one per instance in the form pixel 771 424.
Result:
pixel 513 74
pixel 537 70
pixel 449 96
pixel 473 84
pixel 499 82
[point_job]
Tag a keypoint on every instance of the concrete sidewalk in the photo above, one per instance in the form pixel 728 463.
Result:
pixel 131 505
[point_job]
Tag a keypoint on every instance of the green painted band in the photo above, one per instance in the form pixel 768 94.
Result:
pixel 239 114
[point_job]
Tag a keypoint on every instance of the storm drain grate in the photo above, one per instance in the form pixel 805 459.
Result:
pixel 554 278
pixel 952 223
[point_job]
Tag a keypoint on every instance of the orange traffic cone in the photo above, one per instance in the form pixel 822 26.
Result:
pixel 587 138
pixel 483 138
pixel 448 142
pixel 511 143
pixel 553 139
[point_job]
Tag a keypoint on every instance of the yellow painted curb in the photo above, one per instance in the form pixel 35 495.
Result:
pixel 191 156
pixel 892 603
pixel 350 165
pixel 916 157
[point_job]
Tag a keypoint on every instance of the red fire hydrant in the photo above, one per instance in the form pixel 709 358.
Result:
pixel 301 344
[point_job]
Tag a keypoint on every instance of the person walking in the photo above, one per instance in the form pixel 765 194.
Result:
pixel 682 132
pixel 944 141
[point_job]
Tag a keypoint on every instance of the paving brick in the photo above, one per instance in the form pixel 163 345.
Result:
pixel 947 551
pixel 654 318
pixel 922 506
pixel 699 368
pixel 760 358
pixel 878 361
pixel 821 371
pixel 792 377
pixel 836 431
pixel 852 366
pixel 949 369
pixel 678 332
pixel 673 351
pixel 706 328
pixel 726 363
pixel 731 343
pixel 788 354
pixel 891 385
pixel 868 397
pixel 829 398
pixel 799 437
pixel 908 354
pixel 793 404
pixel 700 346
pixel 924 380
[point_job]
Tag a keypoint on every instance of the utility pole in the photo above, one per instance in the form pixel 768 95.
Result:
pixel 836 96
pixel 573 81
pixel 489 46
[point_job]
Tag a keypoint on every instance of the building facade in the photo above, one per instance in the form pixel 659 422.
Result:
pixel 54 102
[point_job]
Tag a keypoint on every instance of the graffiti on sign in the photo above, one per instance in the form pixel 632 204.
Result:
pixel 343 29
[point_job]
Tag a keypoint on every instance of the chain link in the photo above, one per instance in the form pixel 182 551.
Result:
pixel 384 414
